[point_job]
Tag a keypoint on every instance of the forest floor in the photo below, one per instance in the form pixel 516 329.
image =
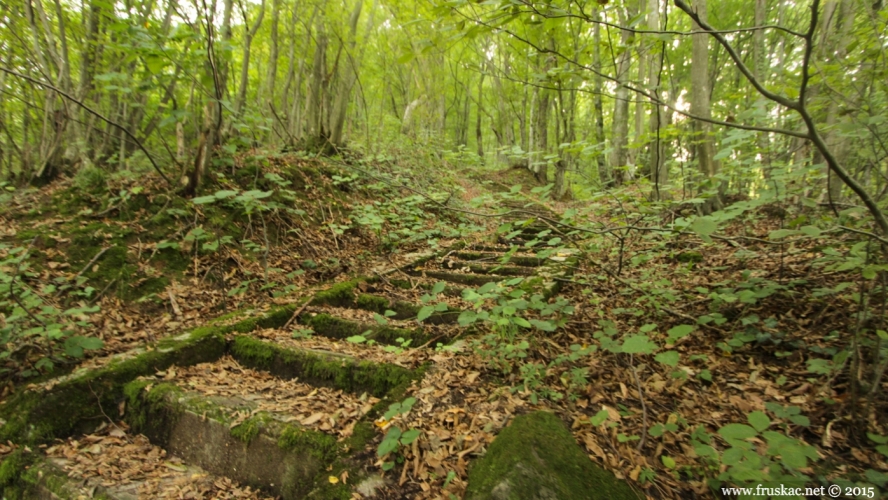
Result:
pixel 634 416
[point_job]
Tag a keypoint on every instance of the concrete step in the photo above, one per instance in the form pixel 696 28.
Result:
pixel 282 437
pixel 117 465
pixel 491 258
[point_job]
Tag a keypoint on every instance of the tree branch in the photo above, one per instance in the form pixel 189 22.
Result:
pixel 94 113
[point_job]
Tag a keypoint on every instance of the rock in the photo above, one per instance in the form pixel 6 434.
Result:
pixel 367 488
pixel 536 458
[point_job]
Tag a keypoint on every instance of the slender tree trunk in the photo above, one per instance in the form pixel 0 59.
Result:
pixel 249 33
pixel 348 76
pixel 700 106
pixel 314 102
pixel 619 155
pixel 656 146
pixel 604 174
pixel 478 137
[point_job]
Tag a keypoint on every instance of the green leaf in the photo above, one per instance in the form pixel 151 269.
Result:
pixel 669 358
pixel 388 445
pixel 545 326
pixel 669 462
pixel 203 200
pixel 680 331
pixel 409 436
pixel 737 431
pixel 812 231
pixel 424 313
pixel 758 420
pixel 439 287
pixel 638 344
pixel 357 339
pixel 782 233
pixel 466 318
pixel 704 226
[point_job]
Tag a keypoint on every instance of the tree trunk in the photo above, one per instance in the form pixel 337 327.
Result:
pixel 656 146
pixel 604 174
pixel 313 127
pixel 249 33
pixel 478 137
pixel 700 106
pixel 619 154
pixel 347 77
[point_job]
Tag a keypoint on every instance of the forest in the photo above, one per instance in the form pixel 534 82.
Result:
pixel 443 249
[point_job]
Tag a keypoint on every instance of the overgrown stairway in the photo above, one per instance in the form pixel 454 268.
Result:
pixel 244 409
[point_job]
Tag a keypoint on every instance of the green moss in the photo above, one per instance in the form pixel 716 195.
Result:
pixel 331 326
pixel 277 317
pixel 339 295
pixel 11 467
pixel 689 257
pixel 537 457
pixel 404 284
pixel 142 403
pixel 338 328
pixel 38 417
pixel 249 428
pixel 373 303
pixel 340 373
pixel 319 445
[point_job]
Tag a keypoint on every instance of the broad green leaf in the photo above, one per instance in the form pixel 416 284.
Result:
pixel 425 312
pixel 782 233
pixel 439 287
pixel 388 445
pixel 669 462
pixel 704 226
pixel 677 332
pixel 409 436
pixel 812 231
pixel 545 326
pixel 466 318
pixel 758 420
pixel 521 322
pixel 638 344
pixel 737 431
pixel 225 193
pixel 203 200
pixel 669 358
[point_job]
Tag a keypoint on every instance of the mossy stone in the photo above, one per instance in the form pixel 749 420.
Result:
pixel 689 257
pixel 536 458
pixel 339 295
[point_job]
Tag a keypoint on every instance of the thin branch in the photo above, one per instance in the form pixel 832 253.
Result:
pixel 799 107
pixel 94 113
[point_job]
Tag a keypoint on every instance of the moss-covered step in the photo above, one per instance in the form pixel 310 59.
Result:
pixel 537 458
pixel 316 368
pixel 263 452
pixel 459 278
pixel 78 401
pixel 489 258
pixel 338 328
pixel 46 479
pixel 406 310
pixel 500 270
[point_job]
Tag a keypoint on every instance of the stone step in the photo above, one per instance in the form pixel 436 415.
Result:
pixel 336 327
pixel 487 257
pixel 499 269
pixel 321 368
pixel 116 465
pixel 282 437
pixel 460 278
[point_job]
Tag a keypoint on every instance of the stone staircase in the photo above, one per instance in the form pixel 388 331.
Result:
pixel 240 409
